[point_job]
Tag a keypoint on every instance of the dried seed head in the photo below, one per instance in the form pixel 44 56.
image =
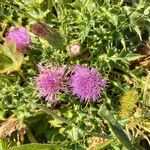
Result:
pixel 44 31
pixel 40 29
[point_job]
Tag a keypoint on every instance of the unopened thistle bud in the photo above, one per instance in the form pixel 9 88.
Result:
pixel 44 31
pixel 74 49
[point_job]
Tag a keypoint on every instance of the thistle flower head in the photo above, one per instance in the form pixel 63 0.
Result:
pixel 21 38
pixel 50 82
pixel 86 83
pixel 74 49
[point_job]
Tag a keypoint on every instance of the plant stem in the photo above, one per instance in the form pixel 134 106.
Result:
pixel 55 116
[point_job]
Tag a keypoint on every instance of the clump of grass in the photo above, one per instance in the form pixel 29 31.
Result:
pixel 128 101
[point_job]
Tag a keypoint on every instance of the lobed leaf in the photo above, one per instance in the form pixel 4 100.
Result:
pixel 10 59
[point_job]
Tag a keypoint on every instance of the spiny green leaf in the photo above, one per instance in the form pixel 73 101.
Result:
pixel 9 49
pixel 117 129
pixel 132 57
pixel 136 28
pixel 61 119
pixel 11 60
pixel 4 61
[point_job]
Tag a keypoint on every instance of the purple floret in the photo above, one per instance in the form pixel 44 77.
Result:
pixel 21 38
pixel 87 83
pixel 50 82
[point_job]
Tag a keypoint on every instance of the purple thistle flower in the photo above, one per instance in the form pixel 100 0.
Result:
pixel 86 84
pixel 21 37
pixel 50 82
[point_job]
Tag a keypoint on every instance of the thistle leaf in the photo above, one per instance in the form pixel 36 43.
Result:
pixel 4 61
pixel 10 59
pixel 116 128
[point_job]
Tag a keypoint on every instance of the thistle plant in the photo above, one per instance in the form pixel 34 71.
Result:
pixel 74 49
pixel 64 107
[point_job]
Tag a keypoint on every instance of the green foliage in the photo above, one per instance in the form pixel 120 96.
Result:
pixel 108 32
pixel 116 128
pixel 10 59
